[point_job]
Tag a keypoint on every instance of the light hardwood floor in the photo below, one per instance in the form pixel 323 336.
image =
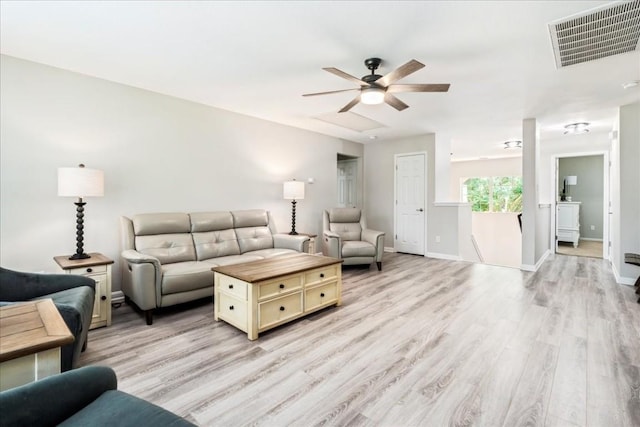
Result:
pixel 425 342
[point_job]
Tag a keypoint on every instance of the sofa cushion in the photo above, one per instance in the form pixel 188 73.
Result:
pixel 270 253
pixel 214 244
pixel 250 218
pixel 254 238
pixel 357 249
pixel 168 248
pixel 161 223
pixel 186 276
pixel 211 221
pixel 232 259
pixel 114 407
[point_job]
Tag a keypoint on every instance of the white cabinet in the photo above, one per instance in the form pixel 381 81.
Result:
pixel 568 222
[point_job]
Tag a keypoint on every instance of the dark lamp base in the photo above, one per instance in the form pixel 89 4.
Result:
pixel 294 233
pixel 80 256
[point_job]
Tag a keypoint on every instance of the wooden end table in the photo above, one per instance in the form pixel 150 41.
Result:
pixel 31 334
pixel 98 268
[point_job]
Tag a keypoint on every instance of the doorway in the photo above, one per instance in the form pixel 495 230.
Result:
pixel 581 214
pixel 347 181
pixel 410 197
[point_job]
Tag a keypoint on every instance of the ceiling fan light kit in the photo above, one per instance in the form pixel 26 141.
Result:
pixel 372 95
pixel 376 89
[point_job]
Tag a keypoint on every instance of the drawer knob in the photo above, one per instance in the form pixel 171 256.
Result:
pixel 321 294
pixel 103 297
pixel 89 270
pixel 281 286
pixel 230 307
pixel 281 308
pixel 321 275
pixel 230 286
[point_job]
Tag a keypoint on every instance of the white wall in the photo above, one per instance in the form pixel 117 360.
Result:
pixel 508 166
pixel 158 153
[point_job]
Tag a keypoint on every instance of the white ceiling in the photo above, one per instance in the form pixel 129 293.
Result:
pixel 258 58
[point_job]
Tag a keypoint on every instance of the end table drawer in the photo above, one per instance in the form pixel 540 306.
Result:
pixel 321 295
pixel 232 286
pixel 321 275
pixel 279 309
pixel 286 284
pixel 234 311
pixel 83 271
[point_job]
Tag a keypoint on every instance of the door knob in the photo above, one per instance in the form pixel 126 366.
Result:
pixel 420 210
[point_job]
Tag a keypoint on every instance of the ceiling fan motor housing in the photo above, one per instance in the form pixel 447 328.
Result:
pixel 372 64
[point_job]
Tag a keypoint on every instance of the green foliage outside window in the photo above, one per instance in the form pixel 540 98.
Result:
pixel 493 194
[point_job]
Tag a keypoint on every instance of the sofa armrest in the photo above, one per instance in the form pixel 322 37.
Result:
pixel 331 244
pixel 20 286
pixel 376 238
pixel 52 400
pixel 288 241
pixel 142 279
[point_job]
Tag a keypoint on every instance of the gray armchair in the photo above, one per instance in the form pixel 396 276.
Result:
pixel 73 296
pixel 346 236
pixel 86 396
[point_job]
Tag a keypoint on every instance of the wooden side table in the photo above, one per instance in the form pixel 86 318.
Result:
pixel 312 242
pixel 98 268
pixel 31 334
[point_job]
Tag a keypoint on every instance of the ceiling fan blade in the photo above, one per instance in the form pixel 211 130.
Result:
pixel 330 92
pixel 394 102
pixel 344 75
pixel 400 72
pixel 350 105
pixel 435 87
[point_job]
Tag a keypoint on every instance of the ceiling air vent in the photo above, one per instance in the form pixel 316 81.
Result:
pixel 596 33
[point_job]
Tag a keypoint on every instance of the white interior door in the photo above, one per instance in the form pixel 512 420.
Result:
pixel 410 203
pixel 347 180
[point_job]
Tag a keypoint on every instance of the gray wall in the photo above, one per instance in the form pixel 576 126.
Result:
pixel 158 153
pixel 589 191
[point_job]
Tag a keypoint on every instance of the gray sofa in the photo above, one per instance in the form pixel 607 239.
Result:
pixel 167 257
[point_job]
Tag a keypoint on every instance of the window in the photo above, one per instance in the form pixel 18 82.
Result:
pixel 493 194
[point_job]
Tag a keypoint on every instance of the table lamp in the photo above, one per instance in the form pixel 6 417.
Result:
pixel 293 190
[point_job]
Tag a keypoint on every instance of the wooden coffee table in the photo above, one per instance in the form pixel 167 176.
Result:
pixel 259 295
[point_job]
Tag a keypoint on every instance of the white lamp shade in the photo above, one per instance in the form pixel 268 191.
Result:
pixel 372 96
pixel 571 180
pixel 80 182
pixel 294 190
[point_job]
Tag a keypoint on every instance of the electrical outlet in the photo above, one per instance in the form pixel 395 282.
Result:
pixel 437 239
pixel 593 227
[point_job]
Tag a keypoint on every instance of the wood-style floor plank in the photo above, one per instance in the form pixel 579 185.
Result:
pixel 424 342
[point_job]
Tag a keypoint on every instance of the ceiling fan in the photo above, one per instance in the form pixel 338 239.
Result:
pixel 376 89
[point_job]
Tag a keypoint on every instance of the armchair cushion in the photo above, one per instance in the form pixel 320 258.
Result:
pixel 352 249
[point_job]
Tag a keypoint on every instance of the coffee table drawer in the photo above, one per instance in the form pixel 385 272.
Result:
pixel 279 310
pixel 321 275
pixel 234 287
pixel 283 285
pixel 320 295
pixel 234 311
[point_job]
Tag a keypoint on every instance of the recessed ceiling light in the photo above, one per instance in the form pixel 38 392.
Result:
pixel 513 144
pixel 576 128
pixel 629 85
pixel 373 136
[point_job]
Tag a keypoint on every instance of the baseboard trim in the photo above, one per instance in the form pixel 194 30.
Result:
pixel 534 268
pixel 590 239
pixel 443 256
pixel 389 249
pixel 117 297
pixel 621 280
